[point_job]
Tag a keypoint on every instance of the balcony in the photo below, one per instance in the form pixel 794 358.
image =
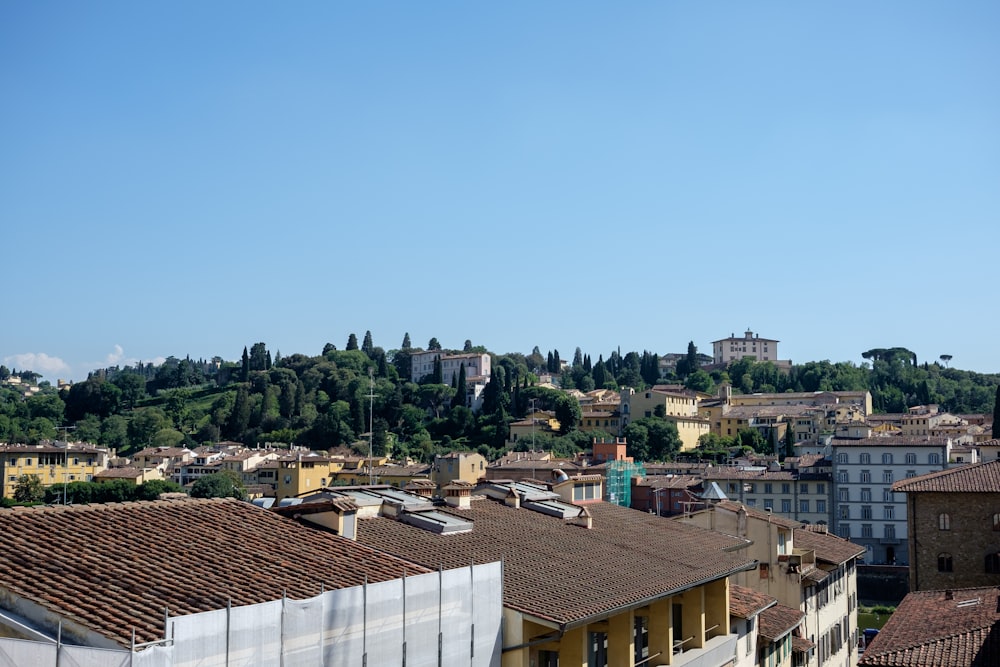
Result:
pixel 718 650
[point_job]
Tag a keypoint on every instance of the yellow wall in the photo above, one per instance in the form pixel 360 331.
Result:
pixel 50 465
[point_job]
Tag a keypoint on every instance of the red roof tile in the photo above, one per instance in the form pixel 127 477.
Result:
pixel 778 621
pixel 566 573
pixel 975 478
pixel 940 629
pixel 746 602
pixel 135 559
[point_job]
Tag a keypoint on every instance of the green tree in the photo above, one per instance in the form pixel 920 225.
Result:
pixel 460 389
pixel 225 484
pixel 367 346
pixel 133 388
pixel 152 489
pixel 29 489
pixel 700 381
pixel 144 425
pixel 114 432
pixel 996 413
pixel 352 342
pixel 406 341
pixel 88 429
pixel 568 413
pixel 245 367
pixel 433 344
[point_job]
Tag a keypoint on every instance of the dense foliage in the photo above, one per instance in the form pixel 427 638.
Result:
pixel 336 397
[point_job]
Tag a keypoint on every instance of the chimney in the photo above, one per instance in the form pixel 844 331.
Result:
pixel 583 519
pixel 458 494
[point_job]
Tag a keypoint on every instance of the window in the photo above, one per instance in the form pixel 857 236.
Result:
pixel 803 505
pixel 845 530
pixel 890 531
pixel 786 505
pixel 887 459
pixel 866 511
pixel 993 563
pixel 887 477
pixel 996 522
pixel 934 459
pixel 887 496
pixel 944 562
pixel 843 495
pixel 821 506
pixel 768 503
pixel 786 488
pixel 866 530
pixel 888 512
pixel 767 487
pixel 842 457
pixel 911 459
pixel 845 511
pixel 821 488
pixel 641 639
pixel 866 459
pixel 803 488
pixel 866 495
pixel 944 521
pixel 866 476
pixel 911 473
pixel 842 477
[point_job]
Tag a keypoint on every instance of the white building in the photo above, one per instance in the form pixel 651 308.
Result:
pixel 751 345
pixel 476 365
pixel 864 468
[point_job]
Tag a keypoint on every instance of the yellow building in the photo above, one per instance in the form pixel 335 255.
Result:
pixel 55 463
pixel 458 467
pixel 573 595
pixel 609 422
pixel 298 474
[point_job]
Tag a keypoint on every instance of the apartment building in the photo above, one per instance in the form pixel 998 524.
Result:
pixel 671 402
pixel 573 595
pixel 53 463
pixel 865 466
pixel 812 572
pixel 801 495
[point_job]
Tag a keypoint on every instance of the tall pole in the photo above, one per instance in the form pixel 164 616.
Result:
pixel 371 425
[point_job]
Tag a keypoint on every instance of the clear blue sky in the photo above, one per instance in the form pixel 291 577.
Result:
pixel 189 178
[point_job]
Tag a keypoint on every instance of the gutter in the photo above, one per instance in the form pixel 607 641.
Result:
pixel 564 627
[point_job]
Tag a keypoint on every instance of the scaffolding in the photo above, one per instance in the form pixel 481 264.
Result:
pixel 618 481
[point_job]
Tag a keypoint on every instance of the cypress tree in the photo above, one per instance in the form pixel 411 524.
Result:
pixel 245 370
pixel 352 342
pixel 406 341
pixel 996 414
pixel 437 377
pixel 548 362
pixel 460 388
pixel 367 346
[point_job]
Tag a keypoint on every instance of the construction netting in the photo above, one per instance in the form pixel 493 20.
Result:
pixel 618 481
pixel 445 618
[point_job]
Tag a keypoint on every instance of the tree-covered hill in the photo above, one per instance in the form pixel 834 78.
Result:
pixel 332 398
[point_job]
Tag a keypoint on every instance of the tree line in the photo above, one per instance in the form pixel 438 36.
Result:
pixel 344 397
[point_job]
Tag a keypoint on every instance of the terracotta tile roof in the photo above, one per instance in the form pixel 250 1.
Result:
pixel 801 644
pixel 776 519
pixel 930 630
pixel 669 481
pixel 564 573
pixel 778 621
pixel 975 478
pixel 746 602
pixel 751 475
pixel 829 548
pixel 117 566
pixel 890 441
pixel 119 473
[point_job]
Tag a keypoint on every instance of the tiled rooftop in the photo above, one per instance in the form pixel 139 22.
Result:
pixel 829 548
pixel 776 519
pixel 746 602
pixel 117 566
pixel 562 572
pixel 891 441
pixel 976 478
pixel 940 629
pixel 778 621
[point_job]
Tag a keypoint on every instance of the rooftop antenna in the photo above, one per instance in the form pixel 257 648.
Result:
pixel 371 422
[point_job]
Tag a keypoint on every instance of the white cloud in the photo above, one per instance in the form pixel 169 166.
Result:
pixel 114 357
pixel 38 362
